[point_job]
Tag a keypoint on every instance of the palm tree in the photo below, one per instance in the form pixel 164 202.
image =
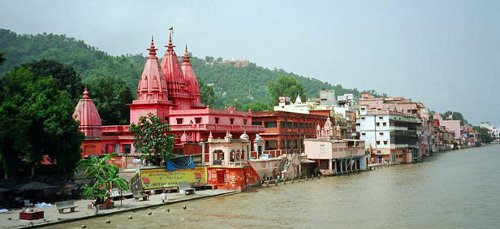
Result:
pixel 105 176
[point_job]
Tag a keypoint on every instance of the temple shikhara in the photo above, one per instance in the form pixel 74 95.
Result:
pixel 168 89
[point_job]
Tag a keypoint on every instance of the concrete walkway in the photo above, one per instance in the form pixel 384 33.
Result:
pixel 52 215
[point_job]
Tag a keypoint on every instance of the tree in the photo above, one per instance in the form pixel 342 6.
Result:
pixel 257 106
pixel 285 86
pixel 111 96
pixel 455 116
pixel 207 94
pixel 484 134
pixel 38 121
pixel 104 176
pixel 14 127
pixel 2 59
pixel 53 131
pixel 152 140
pixel 66 78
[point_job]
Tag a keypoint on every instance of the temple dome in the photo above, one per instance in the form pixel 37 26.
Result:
pixel 88 116
pixel 245 136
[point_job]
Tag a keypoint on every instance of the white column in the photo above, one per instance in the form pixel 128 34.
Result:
pixel 202 153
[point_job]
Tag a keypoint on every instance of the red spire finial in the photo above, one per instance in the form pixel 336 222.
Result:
pixel 85 93
pixel 186 55
pixel 152 49
pixel 170 46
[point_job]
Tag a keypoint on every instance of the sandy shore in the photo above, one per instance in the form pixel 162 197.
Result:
pixel 52 216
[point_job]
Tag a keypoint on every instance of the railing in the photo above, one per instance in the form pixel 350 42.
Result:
pixel 396 146
pixel 116 128
pixel 215 127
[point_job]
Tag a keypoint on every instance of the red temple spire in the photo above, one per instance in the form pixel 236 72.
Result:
pixel 152 49
pixel 152 85
pixel 85 93
pixel 88 116
pixel 177 90
pixel 185 59
pixel 191 79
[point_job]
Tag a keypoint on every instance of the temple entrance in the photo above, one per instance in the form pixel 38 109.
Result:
pixel 220 176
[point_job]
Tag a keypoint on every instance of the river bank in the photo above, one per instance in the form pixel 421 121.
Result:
pixel 52 216
pixel 456 189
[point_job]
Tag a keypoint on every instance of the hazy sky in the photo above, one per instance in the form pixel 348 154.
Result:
pixel 445 54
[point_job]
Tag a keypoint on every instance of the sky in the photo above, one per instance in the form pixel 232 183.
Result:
pixel 445 54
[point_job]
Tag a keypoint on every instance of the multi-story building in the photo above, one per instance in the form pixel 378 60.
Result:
pixel 334 155
pixel 407 107
pixel 345 115
pixel 453 130
pixel 284 132
pixel 390 136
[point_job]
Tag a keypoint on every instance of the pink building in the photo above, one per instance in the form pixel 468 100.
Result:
pixel 453 126
pixel 333 155
pixel 169 90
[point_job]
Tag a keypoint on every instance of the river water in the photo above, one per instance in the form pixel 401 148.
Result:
pixel 456 189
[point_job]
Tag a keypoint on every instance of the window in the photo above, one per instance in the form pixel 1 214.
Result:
pixel 179 120
pixel 282 124
pixel 289 124
pixel 197 120
pixel 216 120
pixel 385 142
pixel 271 144
pixel 378 123
pixel 295 125
pixel 362 108
pixel 231 121
pixel 363 118
pixel 244 121
pixel 301 126
pixel 381 133
pixel 384 124
pixel 378 142
pixel 380 117
pixel 255 123
pixel 270 124
pixel 126 148
pixel 363 133
pixel 378 151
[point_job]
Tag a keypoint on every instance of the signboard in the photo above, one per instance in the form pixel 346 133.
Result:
pixel 159 178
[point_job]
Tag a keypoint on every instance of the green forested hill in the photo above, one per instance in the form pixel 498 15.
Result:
pixel 233 85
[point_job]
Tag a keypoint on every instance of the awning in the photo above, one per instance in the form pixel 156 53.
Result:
pixel 306 161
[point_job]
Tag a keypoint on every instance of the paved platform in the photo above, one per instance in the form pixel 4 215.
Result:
pixel 52 215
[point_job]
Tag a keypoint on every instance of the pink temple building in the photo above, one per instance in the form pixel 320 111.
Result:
pixel 169 90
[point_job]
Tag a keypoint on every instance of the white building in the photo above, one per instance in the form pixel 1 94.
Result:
pixel 285 104
pixel 390 136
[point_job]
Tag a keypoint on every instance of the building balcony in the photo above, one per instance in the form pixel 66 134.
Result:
pixel 394 128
